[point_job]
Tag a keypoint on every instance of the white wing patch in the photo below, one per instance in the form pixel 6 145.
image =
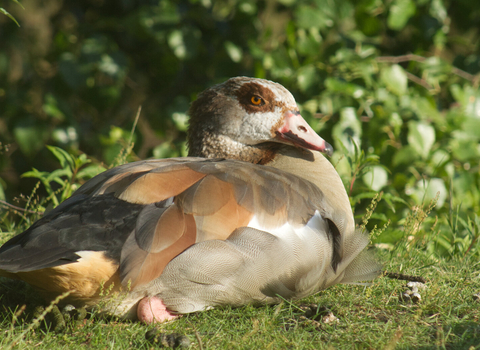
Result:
pixel 315 226
pixel 86 255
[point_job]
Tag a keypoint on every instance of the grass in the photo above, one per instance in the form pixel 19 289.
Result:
pixel 370 317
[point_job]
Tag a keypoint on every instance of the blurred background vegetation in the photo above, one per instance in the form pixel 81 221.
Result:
pixel 393 85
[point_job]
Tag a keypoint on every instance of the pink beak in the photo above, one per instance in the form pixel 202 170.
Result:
pixel 295 130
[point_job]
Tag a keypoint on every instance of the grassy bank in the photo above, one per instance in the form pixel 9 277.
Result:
pixel 372 317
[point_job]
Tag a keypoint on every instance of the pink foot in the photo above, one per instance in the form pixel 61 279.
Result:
pixel 153 310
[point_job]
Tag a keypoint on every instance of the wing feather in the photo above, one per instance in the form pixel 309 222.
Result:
pixel 185 201
pixel 216 198
pixel 149 249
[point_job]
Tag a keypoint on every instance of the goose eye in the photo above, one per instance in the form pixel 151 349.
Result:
pixel 257 101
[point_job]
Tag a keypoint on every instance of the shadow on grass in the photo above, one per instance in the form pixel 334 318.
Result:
pixel 466 334
pixel 15 295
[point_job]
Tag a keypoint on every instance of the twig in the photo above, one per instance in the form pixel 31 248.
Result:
pixel 399 276
pixel 417 58
pixel 403 58
pixel 135 124
pixel 20 209
pixel 121 158
pixel 200 344
pixel 197 335
pixel 463 74
pixel 418 80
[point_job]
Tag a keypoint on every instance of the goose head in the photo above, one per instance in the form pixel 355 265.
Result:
pixel 248 119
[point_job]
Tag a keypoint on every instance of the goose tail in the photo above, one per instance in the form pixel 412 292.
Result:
pixel 360 263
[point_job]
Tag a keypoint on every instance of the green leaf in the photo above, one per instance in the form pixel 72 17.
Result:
pixel 287 2
pixel 426 190
pixel 2 10
pixel 19 4
pixel 308 41
pixel 44 178
pixel 165 150
pixel 30 136
pixel 90 171
pixel 444 242
pixel 233 51
pixel 471 126
pixel 306 77
pixel 180 120
pixel 70 70
pixel 348 130
pixel 469 99
pixel 390 199
pixel 379 216
pixel 426 109
pixel 312 17
pixel 399 14
pixel 376 177
pixel 81 161
pixel 457 92
pixel 438 10
pixel 405 156
pixel 421 137
pixel 395 78
pixel 35 173
pixel 363 195
pixel 337 85
pixel 63 157
pixel 177 44
pixel 58 173
pixel 108 65
pixel 439 158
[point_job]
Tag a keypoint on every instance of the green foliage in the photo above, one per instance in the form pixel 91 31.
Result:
pixel 393 85
pixel 457 237
pixel 6 13
pixel 72 170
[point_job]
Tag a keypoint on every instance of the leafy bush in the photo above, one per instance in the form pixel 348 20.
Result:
pixel 393 85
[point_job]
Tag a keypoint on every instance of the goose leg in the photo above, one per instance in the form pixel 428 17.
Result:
pixel 153 310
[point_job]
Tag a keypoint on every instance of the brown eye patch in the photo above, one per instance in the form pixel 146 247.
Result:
pixel 254 98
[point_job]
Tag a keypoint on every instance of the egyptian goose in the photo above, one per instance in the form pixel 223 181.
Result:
pixel 253 215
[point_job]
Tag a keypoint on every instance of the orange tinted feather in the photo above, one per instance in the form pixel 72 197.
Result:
pixel 155 187
pixel 205 197
pixel 170 228
pixel 154 263
pixel 84 279
pixel 223 222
